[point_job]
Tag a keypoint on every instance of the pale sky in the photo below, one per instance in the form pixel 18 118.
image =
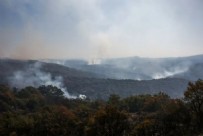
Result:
pixel 37 29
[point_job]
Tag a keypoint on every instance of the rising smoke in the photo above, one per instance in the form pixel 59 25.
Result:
pixel 90 29
pixel 171 73
pixel 134 67
pixel 35 77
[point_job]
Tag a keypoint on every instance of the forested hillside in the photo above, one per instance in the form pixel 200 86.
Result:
pixel 138 68
pixel 33 73
pixel 45 111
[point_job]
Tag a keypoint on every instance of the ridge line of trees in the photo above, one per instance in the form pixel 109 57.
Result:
pixel 44 111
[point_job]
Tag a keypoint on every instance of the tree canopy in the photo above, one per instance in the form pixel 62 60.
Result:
pixel 44 111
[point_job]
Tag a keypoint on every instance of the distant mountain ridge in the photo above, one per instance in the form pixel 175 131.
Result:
pixel 138 68
pixel 112 76
pixel 8 66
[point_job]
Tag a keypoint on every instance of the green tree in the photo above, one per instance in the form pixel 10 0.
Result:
pixel 154 103
pixel 174 119
pixel 108 121
pixel 114 100
pixel 144 128
pixel 7 99
pixel 56 121
pixel 194 97
pixel 51 91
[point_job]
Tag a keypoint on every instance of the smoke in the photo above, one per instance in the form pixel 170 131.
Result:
pixel 133 67
pixel 166 73
pixel 89 29
pixel 33 76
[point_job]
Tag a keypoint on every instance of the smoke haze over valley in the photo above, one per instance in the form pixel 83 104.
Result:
pixel 138 68
pixel 89 47
pixel 101 67
pixel 33 76
pixel 123 76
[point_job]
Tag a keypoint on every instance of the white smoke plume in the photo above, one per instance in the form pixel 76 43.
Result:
pixel 166 73
pixel 35 77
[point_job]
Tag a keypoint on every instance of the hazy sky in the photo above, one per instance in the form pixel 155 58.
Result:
pixel 33 29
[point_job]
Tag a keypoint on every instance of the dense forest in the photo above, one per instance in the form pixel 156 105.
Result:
pixel 44 111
